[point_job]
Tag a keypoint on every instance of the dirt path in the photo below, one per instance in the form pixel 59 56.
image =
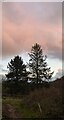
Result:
pixel 10 112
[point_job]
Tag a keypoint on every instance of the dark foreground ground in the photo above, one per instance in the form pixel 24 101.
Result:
pixel 47 103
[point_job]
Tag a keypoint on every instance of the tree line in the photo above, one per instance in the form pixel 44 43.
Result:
pixel 36 70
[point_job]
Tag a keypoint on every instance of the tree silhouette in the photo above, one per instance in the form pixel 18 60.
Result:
pixel 38 65
pixel 17 70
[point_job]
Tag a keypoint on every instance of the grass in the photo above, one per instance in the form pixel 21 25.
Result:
pixel 27 107
pixel 50 100
pixel 23 109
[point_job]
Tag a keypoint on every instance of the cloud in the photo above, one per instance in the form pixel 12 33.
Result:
pixel 59 73
pixel 27 23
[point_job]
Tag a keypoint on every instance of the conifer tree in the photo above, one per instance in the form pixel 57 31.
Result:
pixel 38 65
pixel 17 69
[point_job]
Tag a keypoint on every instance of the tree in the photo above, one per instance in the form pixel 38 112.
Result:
pixel 38 65
pixel 17 70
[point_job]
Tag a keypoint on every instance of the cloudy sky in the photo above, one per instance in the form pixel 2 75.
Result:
pixel 24 24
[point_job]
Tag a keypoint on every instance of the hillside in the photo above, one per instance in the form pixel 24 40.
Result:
pixel 40 103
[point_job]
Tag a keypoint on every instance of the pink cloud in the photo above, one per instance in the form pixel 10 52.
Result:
pixel 20 35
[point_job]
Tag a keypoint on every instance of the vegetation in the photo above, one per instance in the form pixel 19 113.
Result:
pixel 18 76
pixel 49 99
pixel 17 70
pixel 38 64
pixel 38 98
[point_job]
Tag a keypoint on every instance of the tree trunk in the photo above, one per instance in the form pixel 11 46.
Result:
pixel 37 71
pixel 37 77
pixel 16 81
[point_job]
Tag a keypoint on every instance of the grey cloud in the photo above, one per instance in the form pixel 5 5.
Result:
pixel 60 73
pixel 19 13
pixel 50 12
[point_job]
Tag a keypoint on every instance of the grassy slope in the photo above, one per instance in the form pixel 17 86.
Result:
pixel 50 100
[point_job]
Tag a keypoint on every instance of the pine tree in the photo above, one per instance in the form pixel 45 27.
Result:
pixel 38 65
pixel 17 70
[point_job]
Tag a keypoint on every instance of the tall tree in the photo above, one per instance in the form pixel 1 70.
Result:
pixel 38 64
pixel 17 70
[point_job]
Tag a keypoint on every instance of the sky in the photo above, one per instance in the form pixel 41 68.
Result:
pixel 27 23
